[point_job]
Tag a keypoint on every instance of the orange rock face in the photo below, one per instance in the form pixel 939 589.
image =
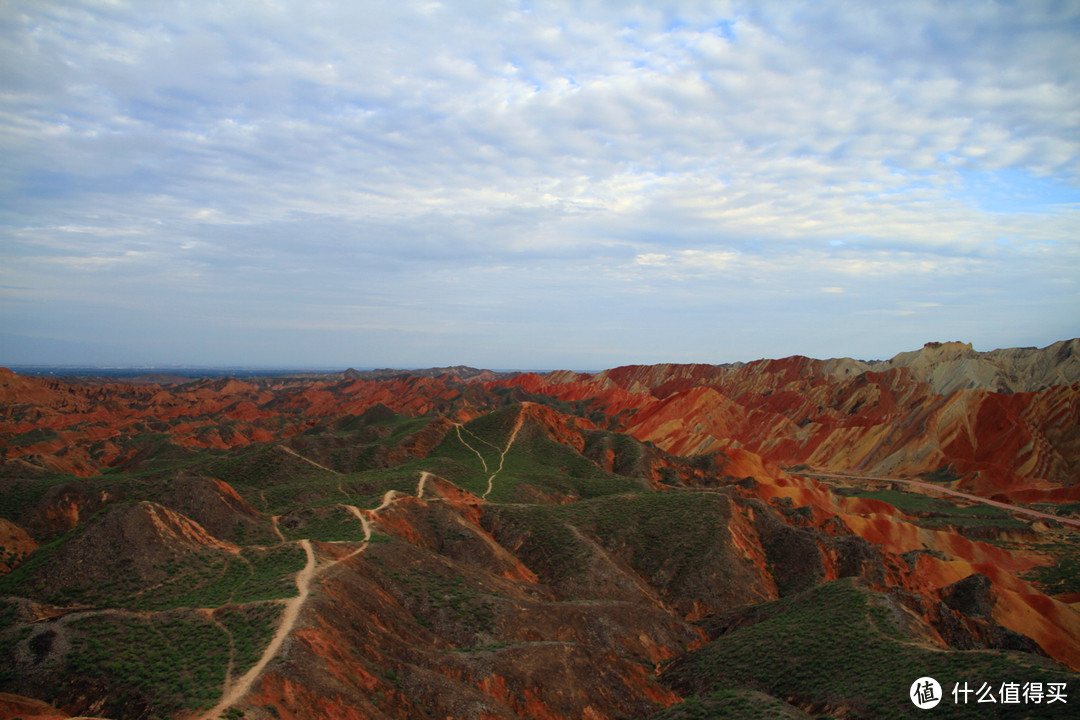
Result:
pixel 15 545
pixel 14 706
pixel 799 411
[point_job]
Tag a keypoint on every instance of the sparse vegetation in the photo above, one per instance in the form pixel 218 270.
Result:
pixel 669 537
pixel 11 634
pixel 1062 576
pixel 329 524
pixel 534 460
pixel 549 546
pixel 263 467
pixel 446 598
pixel 32 437
pixel 165 664
pixel 942 475
pixel 18 581
pixel 826 646
pixel 192 580
pixel 938 512
pixel 251 627
pixel 22 495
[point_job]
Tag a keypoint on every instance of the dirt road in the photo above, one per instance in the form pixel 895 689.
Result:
pixel 235 691
pixel 288 620
pixel 949 491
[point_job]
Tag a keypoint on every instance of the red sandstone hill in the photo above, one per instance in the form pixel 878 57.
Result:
pixel 882 419
pixel 532 546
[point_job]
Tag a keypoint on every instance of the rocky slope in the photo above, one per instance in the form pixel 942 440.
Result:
pixel 948 367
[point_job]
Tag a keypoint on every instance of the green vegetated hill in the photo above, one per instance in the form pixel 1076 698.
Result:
pixel 544 571
pixel 840 647
pixel 534 467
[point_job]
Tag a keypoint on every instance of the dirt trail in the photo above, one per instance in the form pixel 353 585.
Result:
pixel 502 455
pixel 388 499
pixel 362 518
pixel 295 454
pixel 950 491
pixel 457 426
pixel 288 620
pixel 424 475
pixel 235 691
pixel 277 530
pixel 232 650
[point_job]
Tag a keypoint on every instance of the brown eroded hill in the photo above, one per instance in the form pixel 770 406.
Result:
pixel 621 545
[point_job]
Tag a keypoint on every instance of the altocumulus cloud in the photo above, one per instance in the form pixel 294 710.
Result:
pixel 534 184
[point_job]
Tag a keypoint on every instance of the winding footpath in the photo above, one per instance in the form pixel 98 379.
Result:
pixel 424 475
pixel 388 500
pixel 502 455
pixel 949 491
pixel 308 460
pixel 288 620
pixel 277 530
pixel 483 462
pixel 363 520
pixel 235 691
pixel 457 426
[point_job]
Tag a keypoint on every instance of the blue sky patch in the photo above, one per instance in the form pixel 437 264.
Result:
pixel 1016 191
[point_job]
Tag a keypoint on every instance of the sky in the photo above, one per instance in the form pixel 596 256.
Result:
pixel 539 185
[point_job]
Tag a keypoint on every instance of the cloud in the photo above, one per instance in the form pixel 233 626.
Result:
pixel 308 156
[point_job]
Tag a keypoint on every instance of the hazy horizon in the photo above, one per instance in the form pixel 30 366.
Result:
pixel 534 184
pixel 252 370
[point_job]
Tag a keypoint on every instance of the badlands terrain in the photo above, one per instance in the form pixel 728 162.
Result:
pixel 783 538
